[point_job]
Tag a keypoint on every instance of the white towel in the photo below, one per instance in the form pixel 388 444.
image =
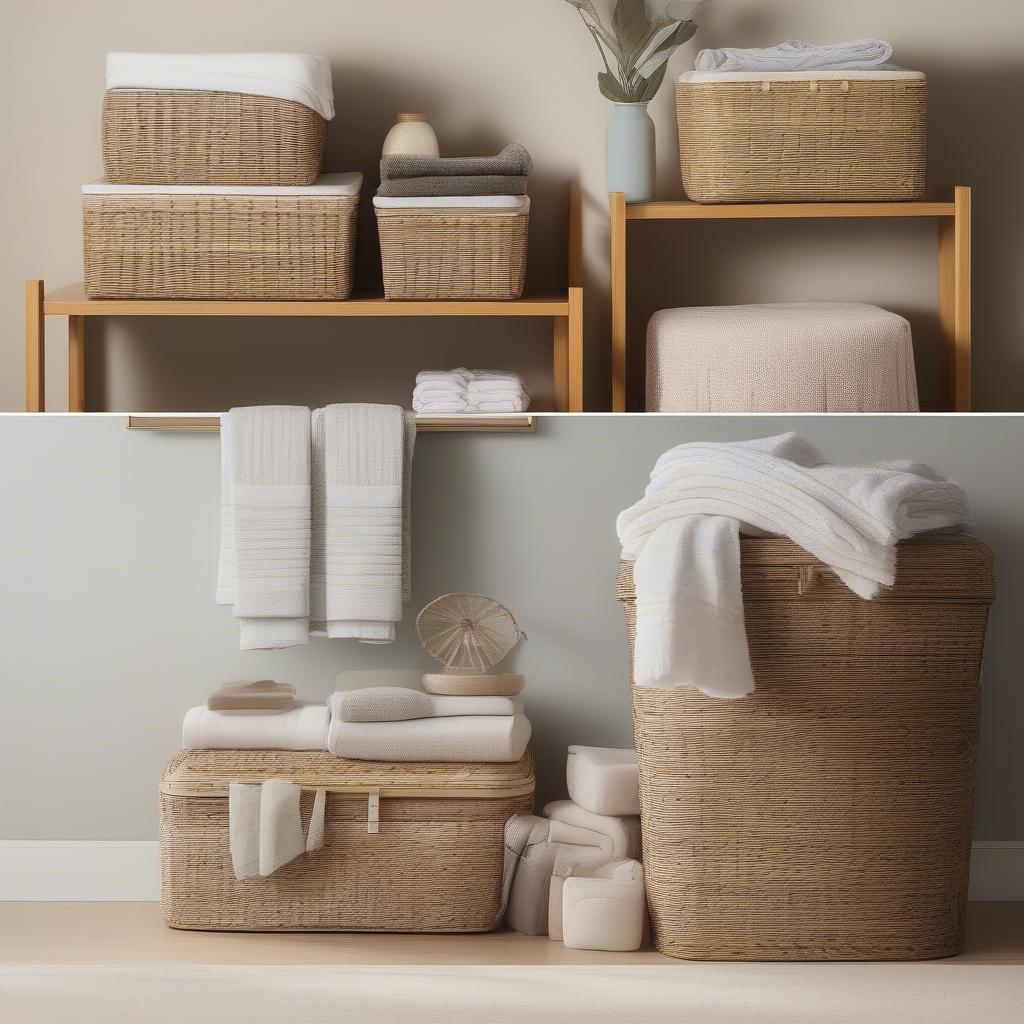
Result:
pixel 265 523
pixel 302 728
pixel 683 536
pixel 401 704
pixel 451 392
pixel 605 909
pixel 621 832
pixel 300 77
pixel 603 779
pixel 795 55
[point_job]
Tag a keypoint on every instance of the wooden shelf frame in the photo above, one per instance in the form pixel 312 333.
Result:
pixel 564 309
pixel 497 423
pixel 952 213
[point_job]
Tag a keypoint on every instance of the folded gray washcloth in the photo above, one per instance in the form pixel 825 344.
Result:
pixel 513 161
pixel 462 185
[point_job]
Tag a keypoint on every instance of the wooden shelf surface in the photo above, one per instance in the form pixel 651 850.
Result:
pixel 521 423
pixel 686 210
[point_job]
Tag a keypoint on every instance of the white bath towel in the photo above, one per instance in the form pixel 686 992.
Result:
pixel 300 77
pixel 265 523
pixel 359 557
pixel 302 728
pixel 400 704
pixel 603 780
pixel 795 55
pixel 487 738
pixel 451 392
pixel 683 536
pixel 621 832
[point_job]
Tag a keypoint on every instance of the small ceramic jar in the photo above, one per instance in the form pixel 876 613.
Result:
pixel 412 134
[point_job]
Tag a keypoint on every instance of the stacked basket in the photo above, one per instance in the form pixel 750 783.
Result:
pixel 213 187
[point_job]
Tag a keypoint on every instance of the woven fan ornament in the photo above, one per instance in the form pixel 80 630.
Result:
pixel 467 633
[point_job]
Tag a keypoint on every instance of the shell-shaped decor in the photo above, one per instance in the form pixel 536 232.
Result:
pixel 467 632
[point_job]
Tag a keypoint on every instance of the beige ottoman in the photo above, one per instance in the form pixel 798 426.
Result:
pixel 781 357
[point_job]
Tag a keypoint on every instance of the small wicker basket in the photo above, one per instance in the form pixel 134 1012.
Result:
pixel 193 137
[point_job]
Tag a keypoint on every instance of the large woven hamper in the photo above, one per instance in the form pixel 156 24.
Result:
pixel 210 242
pixel 802 136
pixel 827 816
pixel 195 137
pixel 448 253
pixel 434 865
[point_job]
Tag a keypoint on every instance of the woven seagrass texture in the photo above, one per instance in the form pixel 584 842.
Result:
pixel 740 143
pixel 452 254
pixel 193 137
pixel 827 816
pixel 219 246
pixel 434 866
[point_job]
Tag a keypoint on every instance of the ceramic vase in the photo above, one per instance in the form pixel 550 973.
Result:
pixel 629 152
pixel 412 134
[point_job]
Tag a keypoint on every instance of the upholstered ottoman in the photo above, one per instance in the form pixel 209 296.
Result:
pixel 782 357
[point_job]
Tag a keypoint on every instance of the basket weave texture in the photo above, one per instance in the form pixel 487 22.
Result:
pixel 434 866
pixel 827 816
pixel 219 246
pixel 192 137
pixel 740 143
pixel 453 254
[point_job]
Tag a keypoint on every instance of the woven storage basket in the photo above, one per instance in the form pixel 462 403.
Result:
pixel 435 865
pixel 192 137
pixel 140 244
pixel 827 816
pixel 802 136
pixel 447 253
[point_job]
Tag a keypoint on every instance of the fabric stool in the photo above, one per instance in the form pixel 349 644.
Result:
pixel 783 357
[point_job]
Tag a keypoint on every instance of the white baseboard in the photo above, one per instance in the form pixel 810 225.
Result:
pixel 79 870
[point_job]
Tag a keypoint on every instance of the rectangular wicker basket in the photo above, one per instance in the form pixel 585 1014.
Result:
pixel 434 865
pixel 296 243
pixel 195 137
pixel 453 253
pixel 802 136
pixel 826 816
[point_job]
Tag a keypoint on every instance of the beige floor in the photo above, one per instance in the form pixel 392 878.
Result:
pixel 118 933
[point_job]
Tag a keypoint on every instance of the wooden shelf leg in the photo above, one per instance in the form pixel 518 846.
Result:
pixel 617 209
pixel 560 341
pixel 76 363
pixel 575 349
pixel 955 301
pixel 35 348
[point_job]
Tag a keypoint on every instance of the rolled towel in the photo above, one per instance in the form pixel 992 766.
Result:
pixel 302 728
pixel 400 704
pixel 605 909
pixel 603 780
pixel 263 695
pixel 794 55
pixel 512 160
pixel 623 832
pixel 474 185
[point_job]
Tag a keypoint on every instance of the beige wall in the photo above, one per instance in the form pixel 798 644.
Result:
pixel 488 73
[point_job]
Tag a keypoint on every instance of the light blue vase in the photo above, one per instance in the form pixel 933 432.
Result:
pixel 629 152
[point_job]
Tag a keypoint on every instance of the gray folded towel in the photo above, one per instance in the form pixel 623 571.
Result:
pixel 512 161
pixel 461 185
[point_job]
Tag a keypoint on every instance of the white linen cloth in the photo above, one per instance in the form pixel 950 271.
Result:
pixel 265 523
pixel 622 832
pixel 795 55
pixel 605 909
pixel 683 536
pixel 341 183
pixel 603 780
pixel 400 704
pixel 302 728
pixel 301 77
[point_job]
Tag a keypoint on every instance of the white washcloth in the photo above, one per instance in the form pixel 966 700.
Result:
pixel 302 728
pixel 451 392
pixel 401 704
pixel 621 832
pixel 603 780
pixel 683 535
pixel 794 55
pixel 265 523
pixel 300 77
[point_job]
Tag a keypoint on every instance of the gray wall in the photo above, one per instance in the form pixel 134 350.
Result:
pixel 108 546
pixel 489 73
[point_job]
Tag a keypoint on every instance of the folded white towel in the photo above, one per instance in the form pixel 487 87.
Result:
pixel 265 523
pixel 683 536
pixel 457 202
pixel 622 832
pixel 486 738
pixel 451 392
pixel 300 77
pixel 603 780
pixel 795 55
pixel 400 704
pixel 340 183
pixel 605 909
pixel 564 834
pixel 302 728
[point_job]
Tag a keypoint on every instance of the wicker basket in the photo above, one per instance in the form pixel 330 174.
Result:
pixel 827 816
pixel 842 136
pixel 191 137
pixel 141 244
pixel 448 253
pixel 435 865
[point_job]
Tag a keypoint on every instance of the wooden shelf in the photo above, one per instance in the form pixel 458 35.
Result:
pixel 953 215
pixel 522 423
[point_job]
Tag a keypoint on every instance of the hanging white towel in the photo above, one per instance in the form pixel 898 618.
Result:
pixel 795 55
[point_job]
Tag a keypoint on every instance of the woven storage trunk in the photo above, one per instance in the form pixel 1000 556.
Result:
pixel 827 816
pixel 296 243
pixel 435 865
pixel 802 136
pixel 193 137
pixel 448 253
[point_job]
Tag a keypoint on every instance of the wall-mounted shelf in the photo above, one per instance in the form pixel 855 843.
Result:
pixel 521 423
pixel 564 309
pixel 954 227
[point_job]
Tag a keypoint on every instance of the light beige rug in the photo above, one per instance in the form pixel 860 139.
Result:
pixel 933 993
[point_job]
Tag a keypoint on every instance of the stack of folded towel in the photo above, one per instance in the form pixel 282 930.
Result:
pixel 222 725
pixel 450 392
pixel 410 175
pixel 794 55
